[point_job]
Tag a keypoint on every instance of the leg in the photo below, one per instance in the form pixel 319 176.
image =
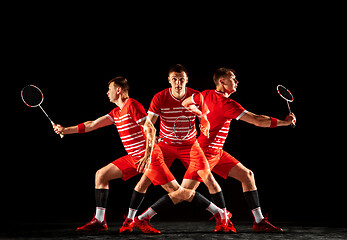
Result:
pixel 212 184
pixel 136 199
pixel 245 176
pixel 175 195
pixel 142 222
pixel 199 170
pixel 102 177
pixel 190 184
pixel 143 184
pixel 159 174
pixel 106 174
pixel 140 190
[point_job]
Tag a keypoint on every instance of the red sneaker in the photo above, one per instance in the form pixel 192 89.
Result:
pixel 94 225
pixel 127 226
pixel 231 226
pixel 265 226
pixel 223 225
pixel 145 226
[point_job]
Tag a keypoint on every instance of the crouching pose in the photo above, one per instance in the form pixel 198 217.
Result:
pixel 222 111
pixel 138 137
pixel 167 106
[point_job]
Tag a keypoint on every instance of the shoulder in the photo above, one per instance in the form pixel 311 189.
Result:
pixel 136 110
pixel 232 103
pixel 233 109
pixel 162 93
pixel 114 111
pixel 207 92
pixel 191 91
pixel 132 103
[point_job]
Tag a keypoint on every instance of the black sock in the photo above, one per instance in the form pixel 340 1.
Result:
pixel 101 196
pixel 218 199
pixel 136 200
pixel 163 203
pixel 252 199
pixel 201 200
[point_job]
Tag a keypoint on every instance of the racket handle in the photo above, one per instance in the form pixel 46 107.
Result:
pixel 61 135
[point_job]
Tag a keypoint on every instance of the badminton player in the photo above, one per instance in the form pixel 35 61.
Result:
pixel 138 135
pixel 222 111
pixel 167 105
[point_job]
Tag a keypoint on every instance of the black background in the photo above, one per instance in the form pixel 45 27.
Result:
pixel 48 179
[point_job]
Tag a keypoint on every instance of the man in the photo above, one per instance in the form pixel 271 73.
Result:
pixel 222 111
pixel 167 105
pixel 138 137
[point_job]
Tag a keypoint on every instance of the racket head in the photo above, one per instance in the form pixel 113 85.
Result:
pixel 285 93
pixel 32 96
pixel 182 127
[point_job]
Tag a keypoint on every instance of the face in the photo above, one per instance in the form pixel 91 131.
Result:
pixel 229 83
pixel 178 82
pixel 113 92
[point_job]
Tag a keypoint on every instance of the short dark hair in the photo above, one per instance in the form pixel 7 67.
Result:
pixel 177 68
pixel 121 82
pixel 221 72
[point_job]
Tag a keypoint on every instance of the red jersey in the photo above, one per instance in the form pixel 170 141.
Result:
pixel 169 108
pixel 222 111
pixel 127 121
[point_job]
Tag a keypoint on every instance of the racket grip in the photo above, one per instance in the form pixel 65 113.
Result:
pixel 61 135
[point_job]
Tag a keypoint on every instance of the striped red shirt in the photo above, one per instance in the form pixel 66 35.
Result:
pixel 127 121
pixel 222 111
pixel 169 108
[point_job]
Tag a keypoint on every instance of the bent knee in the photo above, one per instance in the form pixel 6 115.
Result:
pixel 180 195
pixel 187 194
pixel 212 184
pixel 100 176
pixel 247 175
pixel 143 185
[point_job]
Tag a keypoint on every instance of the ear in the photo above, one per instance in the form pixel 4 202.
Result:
pixel 221 81
pixel 119 90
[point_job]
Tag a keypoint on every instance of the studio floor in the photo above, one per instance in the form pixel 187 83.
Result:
pixel 172 230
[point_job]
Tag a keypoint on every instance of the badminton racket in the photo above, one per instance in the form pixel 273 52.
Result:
pixel 182 128
pixel 32 96
pixel 286 95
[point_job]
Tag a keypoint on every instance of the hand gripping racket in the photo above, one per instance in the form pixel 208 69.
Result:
pixel 32 96
pixel 182 128
pixel 286 95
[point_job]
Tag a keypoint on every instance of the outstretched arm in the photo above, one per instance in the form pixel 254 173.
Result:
pixel 266 121
pixel 84 127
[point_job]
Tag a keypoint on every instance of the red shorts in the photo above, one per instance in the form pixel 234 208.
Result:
pixel 157 171
pixel 221 162
pixel 192 157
